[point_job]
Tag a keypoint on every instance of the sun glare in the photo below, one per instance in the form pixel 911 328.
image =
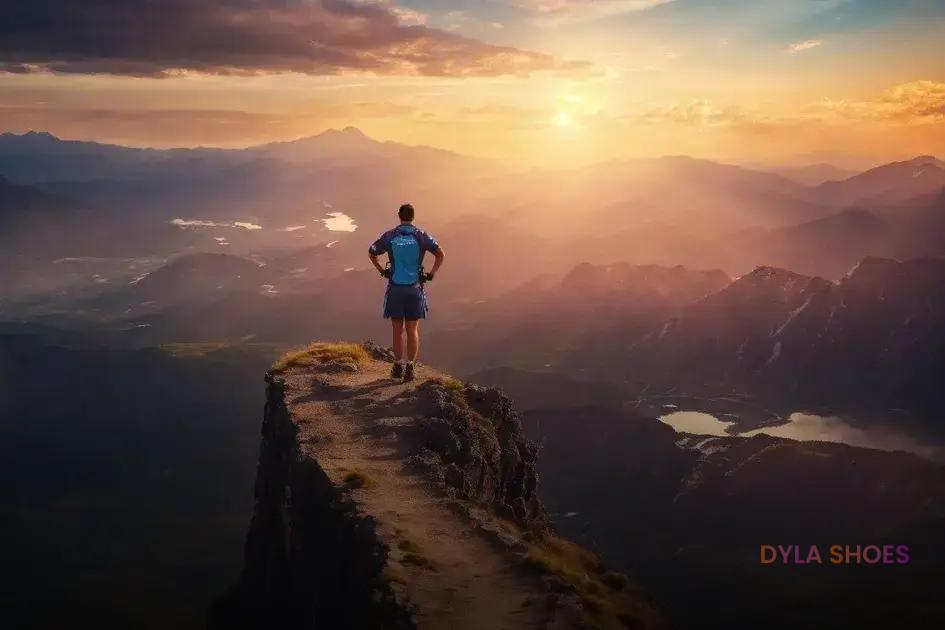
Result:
pixel 562 120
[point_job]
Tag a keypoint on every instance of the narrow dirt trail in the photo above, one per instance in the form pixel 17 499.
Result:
pixel 454 576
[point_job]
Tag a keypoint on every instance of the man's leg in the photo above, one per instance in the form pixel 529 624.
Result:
pixel 413 346
pixel 413 339
pixel 398 328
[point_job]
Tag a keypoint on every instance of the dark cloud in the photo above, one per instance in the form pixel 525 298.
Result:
pixel 163 37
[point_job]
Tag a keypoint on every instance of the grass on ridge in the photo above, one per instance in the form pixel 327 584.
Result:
pixel 357 479
pixel 448 382
pixel 608 597
pixel 322 352
pixel 563 557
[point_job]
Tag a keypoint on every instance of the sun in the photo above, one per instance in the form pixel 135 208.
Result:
pixel 562 120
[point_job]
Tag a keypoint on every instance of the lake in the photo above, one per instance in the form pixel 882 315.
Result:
pixel 339 222
pixel 805 426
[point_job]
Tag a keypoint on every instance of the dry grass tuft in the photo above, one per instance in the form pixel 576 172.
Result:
pixel 419 560
pixel 564 558
pixel 607 596
pixel 409 546
pixel 322 352
pixel 448 382
pixel 357 479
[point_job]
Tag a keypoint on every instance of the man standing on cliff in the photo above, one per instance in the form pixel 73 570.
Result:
pixel 405 302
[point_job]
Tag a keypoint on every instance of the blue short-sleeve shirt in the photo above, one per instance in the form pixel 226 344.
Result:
pixel 427 242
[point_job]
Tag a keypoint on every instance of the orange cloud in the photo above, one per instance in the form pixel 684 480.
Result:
pixel 915 102
pixel 700 112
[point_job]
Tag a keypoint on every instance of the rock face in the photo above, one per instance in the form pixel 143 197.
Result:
pixel 473 441
pixel 383 504
pixel 309 555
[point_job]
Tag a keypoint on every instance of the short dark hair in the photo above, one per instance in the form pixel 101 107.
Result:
pixel 406 212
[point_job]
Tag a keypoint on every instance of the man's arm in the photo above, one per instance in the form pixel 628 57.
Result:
pixel 438 256
pixel 376 264
pixel 377 248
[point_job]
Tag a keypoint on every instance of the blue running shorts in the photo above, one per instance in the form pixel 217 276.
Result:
pixel 405 302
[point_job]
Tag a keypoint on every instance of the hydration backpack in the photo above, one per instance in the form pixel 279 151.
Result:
pixel 405 255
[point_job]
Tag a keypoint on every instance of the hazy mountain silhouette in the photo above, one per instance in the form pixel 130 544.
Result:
pixel 194 278
pixel 543 322
pixel 814 174
pixel 871 341
pixel 830 246
pixel 39 156
pixel 887 184
pixel 919 225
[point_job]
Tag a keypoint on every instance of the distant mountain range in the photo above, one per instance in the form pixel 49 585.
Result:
pixel 885 185
pixel 668 211
pixel 872 341
pixel 40 157
pixel 515 291
pixel 814 174
pixel 867 344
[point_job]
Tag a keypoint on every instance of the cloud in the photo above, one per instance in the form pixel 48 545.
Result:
pixel 171 37
pixel 556 11
pixel 807 44
pixel 185 223
pixel 917 102
pixel 699 112
pixel 409 17
pixel 202 223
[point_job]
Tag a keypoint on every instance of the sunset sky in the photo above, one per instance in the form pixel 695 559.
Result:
pixel 534 82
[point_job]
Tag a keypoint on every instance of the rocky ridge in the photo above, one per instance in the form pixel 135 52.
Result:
pixel 381 504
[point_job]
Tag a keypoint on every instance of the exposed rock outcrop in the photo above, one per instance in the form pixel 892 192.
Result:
pixel 310 558
pixel 473 441
pixel 383 504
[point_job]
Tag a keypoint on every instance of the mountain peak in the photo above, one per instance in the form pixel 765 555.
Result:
pixel 32 136
pixel 349 133
pixel 40 134
pixel 767 278
pixel 767 272
pixel 872 266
